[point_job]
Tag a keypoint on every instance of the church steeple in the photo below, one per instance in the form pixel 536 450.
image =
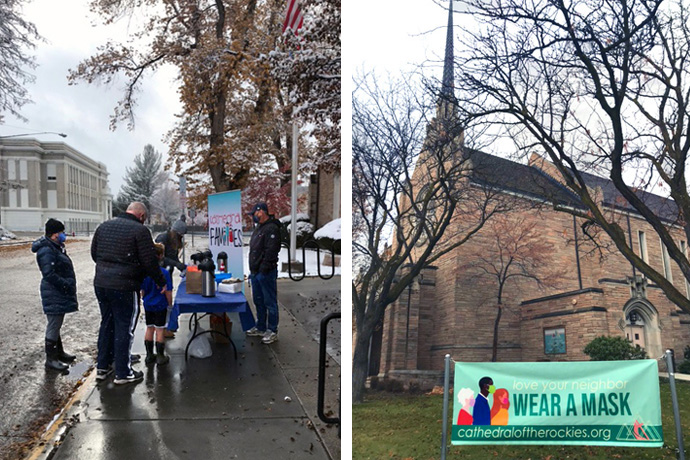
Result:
pixel 448 85
pixel 447 105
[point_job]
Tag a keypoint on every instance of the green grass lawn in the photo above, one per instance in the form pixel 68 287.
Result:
pixel 400 426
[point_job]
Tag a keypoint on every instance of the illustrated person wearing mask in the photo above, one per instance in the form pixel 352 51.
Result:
pixel 466 401
pixel 499 411
pixel 264 247
pixel 58 290
pixel 482 413
pixel 124 254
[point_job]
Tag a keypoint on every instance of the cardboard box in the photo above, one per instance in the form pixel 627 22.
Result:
pixel 193 282
pixel 217 325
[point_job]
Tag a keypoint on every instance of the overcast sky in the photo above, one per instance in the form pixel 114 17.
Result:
pixel 394 36
pixel 390 36
pixel 83 111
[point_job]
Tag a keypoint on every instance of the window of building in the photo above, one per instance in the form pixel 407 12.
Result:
pixel 684 248
pixel 24 195
pixel 11 170
pixel 52 199
pixel 643 245
pixel 13 198
pixel 51 172
pixel 23 173
pixel 554 340
pixel 667 262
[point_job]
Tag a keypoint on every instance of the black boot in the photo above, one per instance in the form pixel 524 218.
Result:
pixel 62 356
pixel 161 357
pixel 52 353
pixel 150 355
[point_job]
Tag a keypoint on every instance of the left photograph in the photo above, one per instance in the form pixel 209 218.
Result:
pixel 170 229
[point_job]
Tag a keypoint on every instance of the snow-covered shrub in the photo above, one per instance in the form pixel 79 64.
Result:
pixel 285 228
pixel 6 234
pixel 328 236
pixel 305 232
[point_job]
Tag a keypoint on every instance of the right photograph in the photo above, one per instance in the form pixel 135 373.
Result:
pixel 521 219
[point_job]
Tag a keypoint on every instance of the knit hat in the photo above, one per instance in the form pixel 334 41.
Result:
pixel 179 227
pixel 262 206
pixel 54 226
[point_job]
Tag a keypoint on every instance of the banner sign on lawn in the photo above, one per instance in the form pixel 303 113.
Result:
pixel 225 229
pixel 603 403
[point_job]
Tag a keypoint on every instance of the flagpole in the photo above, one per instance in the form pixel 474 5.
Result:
pixel 293 197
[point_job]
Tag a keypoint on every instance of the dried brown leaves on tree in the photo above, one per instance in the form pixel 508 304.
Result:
pixel 235 117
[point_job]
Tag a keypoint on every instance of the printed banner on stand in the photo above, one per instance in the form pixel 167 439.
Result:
pixel 603 403
pixel 225 229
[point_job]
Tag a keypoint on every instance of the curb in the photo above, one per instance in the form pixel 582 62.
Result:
pixel 57 428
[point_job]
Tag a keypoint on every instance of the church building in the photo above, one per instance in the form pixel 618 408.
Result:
pixel 450 310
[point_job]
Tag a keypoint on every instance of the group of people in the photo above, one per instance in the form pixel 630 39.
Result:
pixel 481 414
pixel 130 267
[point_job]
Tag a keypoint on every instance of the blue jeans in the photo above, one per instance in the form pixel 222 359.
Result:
pixel 119 314
pixel 265 295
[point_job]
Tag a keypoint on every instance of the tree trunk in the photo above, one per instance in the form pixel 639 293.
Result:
pixel 494 350
pixel 360 363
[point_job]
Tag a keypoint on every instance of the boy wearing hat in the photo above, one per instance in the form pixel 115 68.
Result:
pixel 264 247
pixel 58 290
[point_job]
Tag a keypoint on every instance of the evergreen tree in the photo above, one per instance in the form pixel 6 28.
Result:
pixel 17 37
pixel 143 179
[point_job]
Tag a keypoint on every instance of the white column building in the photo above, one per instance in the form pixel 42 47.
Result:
pixel 40 180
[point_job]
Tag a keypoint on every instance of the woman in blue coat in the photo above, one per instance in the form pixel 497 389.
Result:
pixel 58 290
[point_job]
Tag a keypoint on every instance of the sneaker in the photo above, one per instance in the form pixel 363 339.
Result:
pixel 102 374
pixel 254 332
pixel 134 358
pixel 134 376
pixel 269 337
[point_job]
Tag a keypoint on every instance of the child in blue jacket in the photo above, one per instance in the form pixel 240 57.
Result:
pixel 157 308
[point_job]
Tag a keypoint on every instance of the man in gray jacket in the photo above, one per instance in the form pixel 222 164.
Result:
pixel 124 254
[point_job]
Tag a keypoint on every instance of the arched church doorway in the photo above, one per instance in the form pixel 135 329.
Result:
pixel 641 326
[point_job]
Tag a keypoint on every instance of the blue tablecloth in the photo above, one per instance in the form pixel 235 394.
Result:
pixel 222 302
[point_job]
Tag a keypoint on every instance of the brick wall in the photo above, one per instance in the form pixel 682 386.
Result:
pixel 456 313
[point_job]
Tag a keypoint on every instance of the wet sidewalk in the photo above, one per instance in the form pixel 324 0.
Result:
pixel 262 405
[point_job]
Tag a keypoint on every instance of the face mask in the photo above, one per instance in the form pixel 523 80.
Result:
pixel 62 237
pixel 492 389
pixel 255 218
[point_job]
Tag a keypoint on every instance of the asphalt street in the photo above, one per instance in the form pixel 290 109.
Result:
pixel 31 397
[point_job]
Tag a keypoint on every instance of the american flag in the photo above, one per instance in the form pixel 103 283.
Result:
pixel 293 16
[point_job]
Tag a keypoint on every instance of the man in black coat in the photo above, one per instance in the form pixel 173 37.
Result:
pixel 264 247
pixel 124 254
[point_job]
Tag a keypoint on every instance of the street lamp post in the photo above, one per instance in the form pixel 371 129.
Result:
pixel 34 134
pixel 6 184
